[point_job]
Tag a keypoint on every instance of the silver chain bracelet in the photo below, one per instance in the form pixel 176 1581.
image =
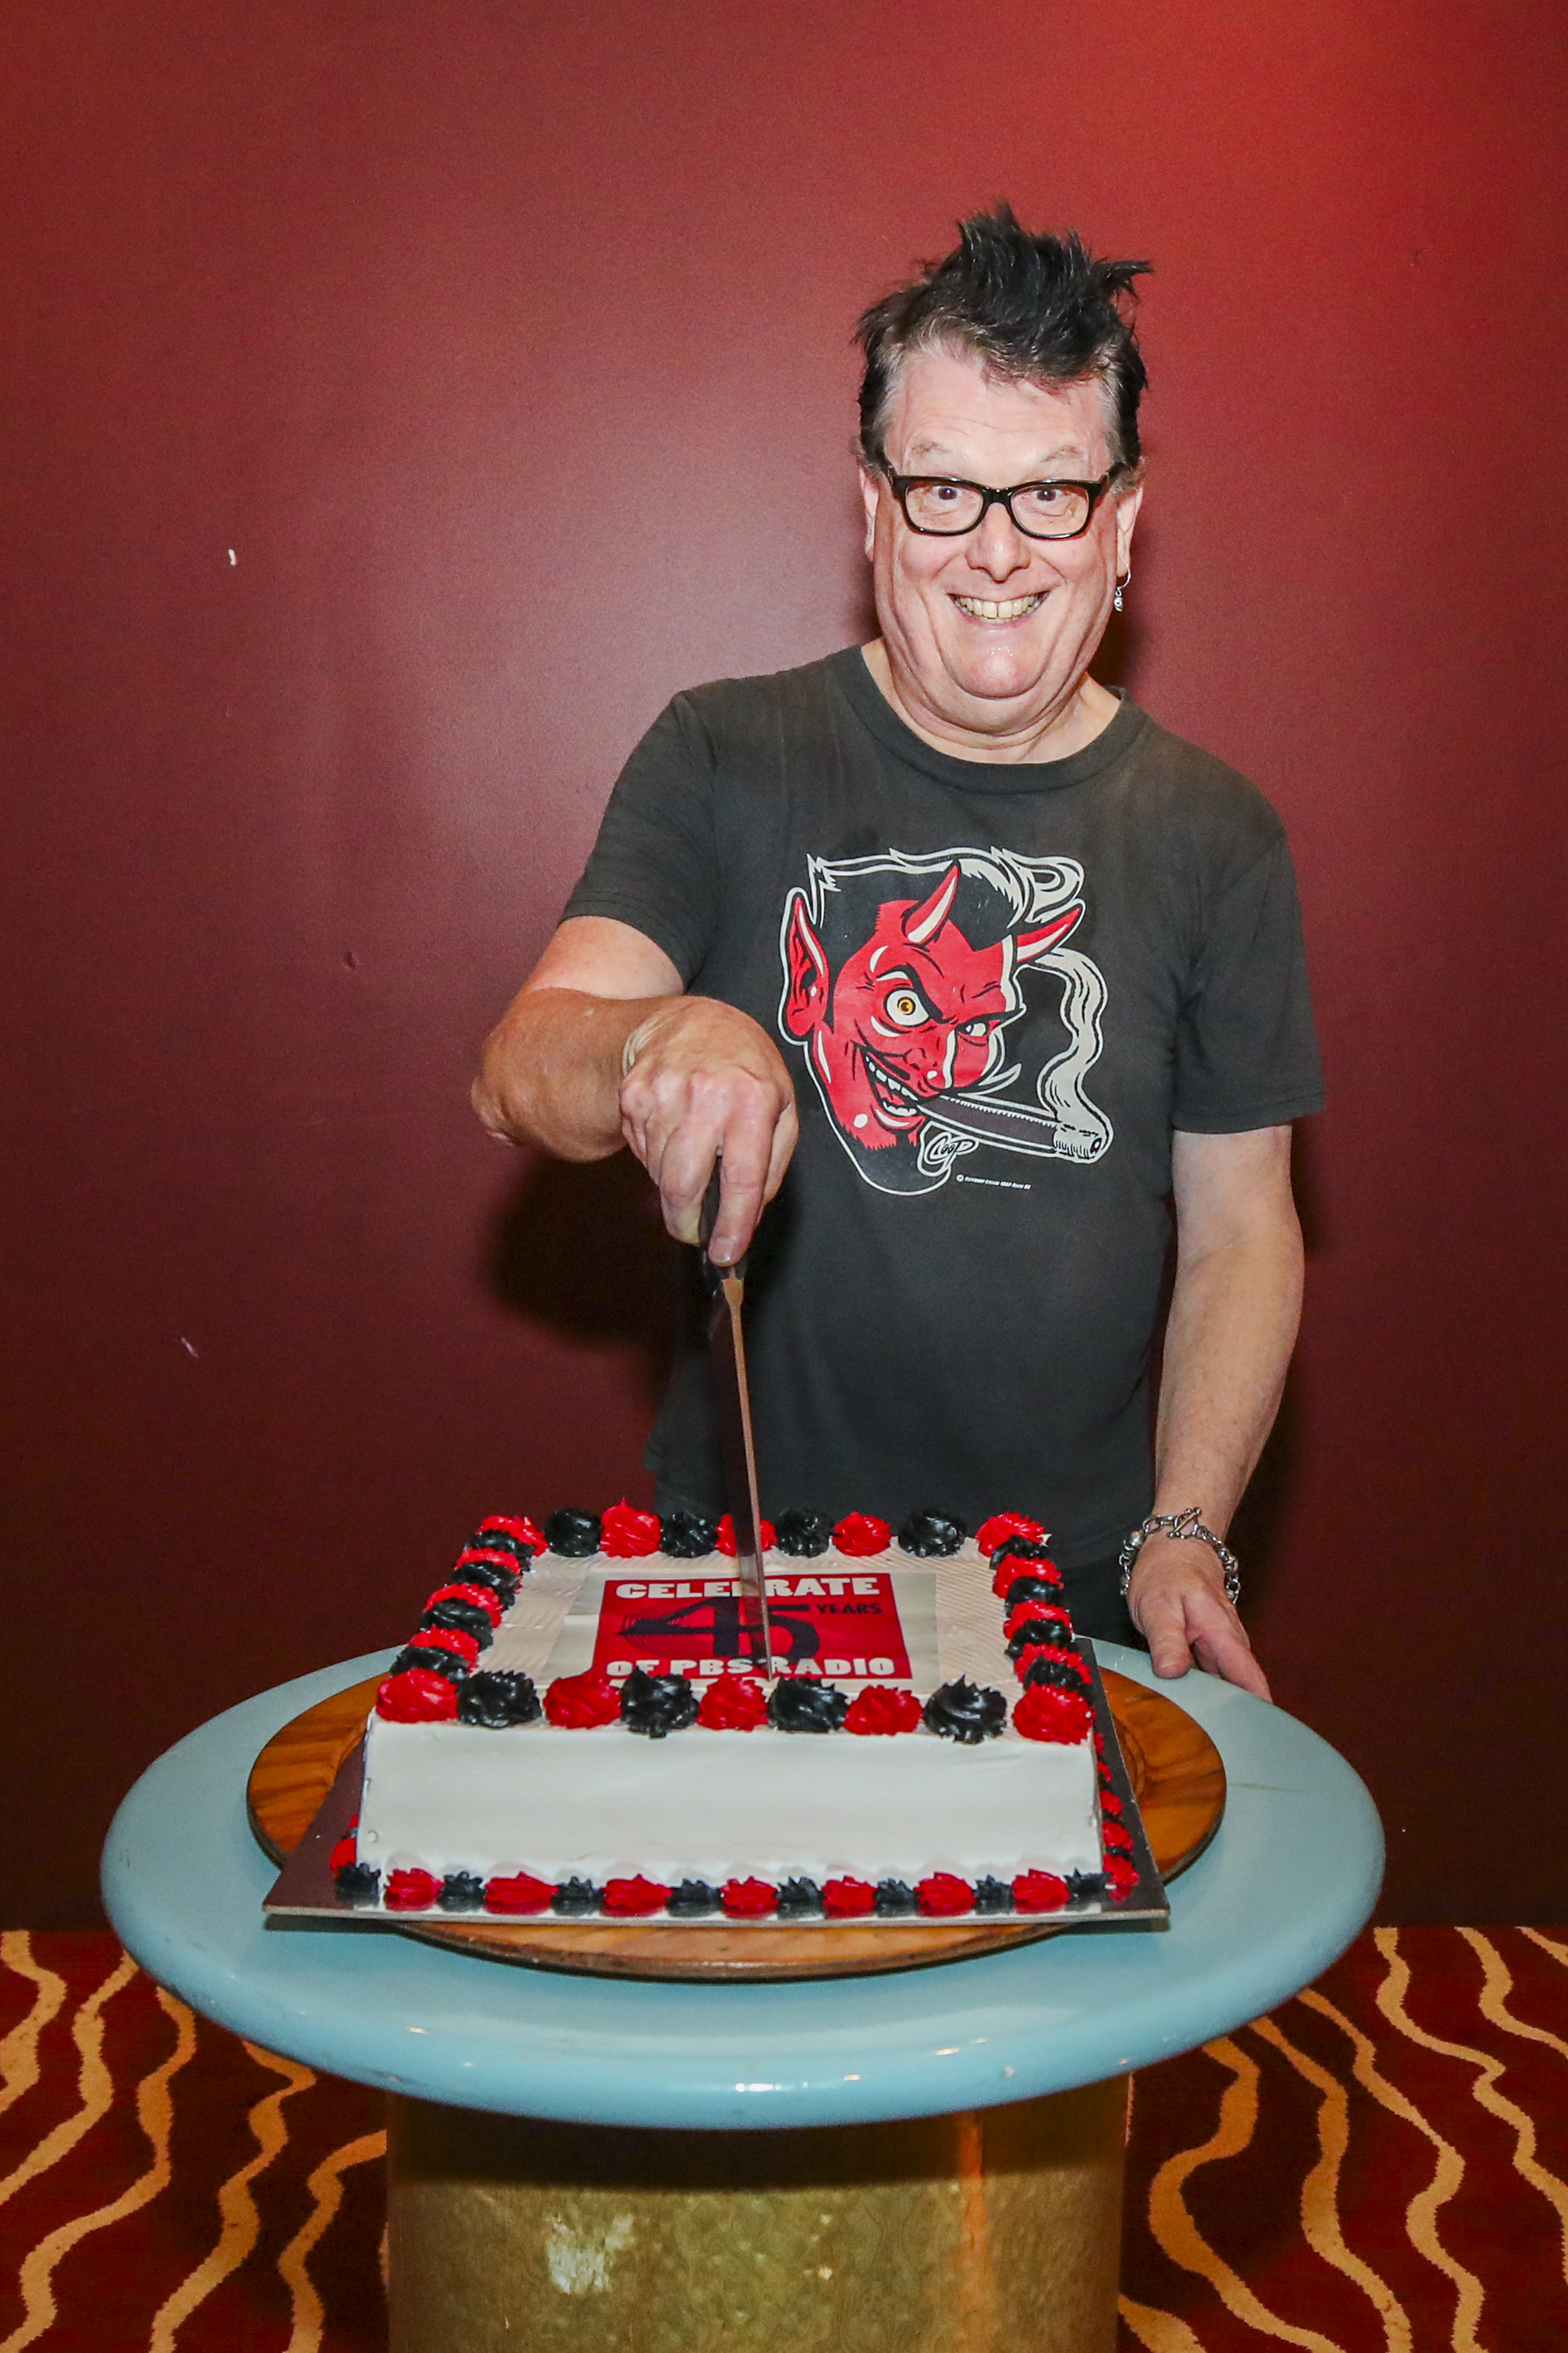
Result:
pixel 1180 1524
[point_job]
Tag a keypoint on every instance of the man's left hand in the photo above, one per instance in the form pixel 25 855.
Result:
pixel 1178 1603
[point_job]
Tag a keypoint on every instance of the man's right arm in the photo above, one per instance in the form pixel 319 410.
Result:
pixel 601 1047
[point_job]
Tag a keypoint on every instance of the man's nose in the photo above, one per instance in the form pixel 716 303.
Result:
pixel 998 546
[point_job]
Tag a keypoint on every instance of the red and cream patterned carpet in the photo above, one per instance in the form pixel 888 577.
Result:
pixel 1380 2164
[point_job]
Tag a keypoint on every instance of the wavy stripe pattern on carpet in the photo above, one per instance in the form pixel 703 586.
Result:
pixel 1379 2166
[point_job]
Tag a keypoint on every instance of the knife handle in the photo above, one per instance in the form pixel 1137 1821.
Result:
pixel 712 1274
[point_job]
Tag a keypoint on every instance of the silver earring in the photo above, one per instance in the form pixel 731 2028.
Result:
pixel 1121 585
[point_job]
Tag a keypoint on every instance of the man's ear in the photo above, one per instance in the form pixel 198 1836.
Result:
pixel 871 489
pixel 1126 517
pixel 807 998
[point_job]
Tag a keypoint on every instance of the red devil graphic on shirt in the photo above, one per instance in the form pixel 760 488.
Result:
pixel 902 975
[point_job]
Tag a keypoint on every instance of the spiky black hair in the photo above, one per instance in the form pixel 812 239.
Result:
pixel 1031 306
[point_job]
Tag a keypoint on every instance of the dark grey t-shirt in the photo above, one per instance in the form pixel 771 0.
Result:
pixel 1000 988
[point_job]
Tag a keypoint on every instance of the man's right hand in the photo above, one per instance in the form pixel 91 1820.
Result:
pixel 602 1047
pixel 704 1081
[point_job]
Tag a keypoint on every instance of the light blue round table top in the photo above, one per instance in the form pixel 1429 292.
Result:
pixel 1290 1877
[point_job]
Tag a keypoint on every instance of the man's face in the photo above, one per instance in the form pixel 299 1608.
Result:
pixel 989 634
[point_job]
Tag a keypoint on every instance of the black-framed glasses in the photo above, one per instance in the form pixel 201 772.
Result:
pixel 942 507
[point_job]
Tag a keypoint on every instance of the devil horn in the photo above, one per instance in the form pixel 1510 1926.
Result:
pixel 923 923
pixel 1032 944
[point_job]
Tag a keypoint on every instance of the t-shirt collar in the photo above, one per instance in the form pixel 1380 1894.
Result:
pixel 874 711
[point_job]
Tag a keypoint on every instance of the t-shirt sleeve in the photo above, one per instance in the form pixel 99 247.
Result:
pixel 1247 1053
pixel 654 864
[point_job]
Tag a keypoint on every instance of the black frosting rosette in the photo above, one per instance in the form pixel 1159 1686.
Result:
pixel 931 1536
pixel 461 1891
pixel 657 1704
pixel 1032 1588
pixel 692 1899
pixel 461 1618
pixel 992 1896
pixel 965 1711
pixel 895 1898
pixel 574 1898
pixel 1031 1634
pixel 503 1582
pixel 803 1536
pixel 799 1899
pixel 498 1699
pixel 358 1883
pixel 688 1536
pixel 802 1703
pixel 1061 1672
pixel 437 1661
pixel 500 1540
pixel 572 1533
pixel 1021 1548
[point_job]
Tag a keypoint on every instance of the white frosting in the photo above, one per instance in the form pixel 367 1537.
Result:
pixel 723 1805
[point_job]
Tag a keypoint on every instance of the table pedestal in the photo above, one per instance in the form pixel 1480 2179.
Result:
pixel 992 2232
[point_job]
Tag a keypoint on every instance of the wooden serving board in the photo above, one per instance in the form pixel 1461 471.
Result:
pixel 1173 1766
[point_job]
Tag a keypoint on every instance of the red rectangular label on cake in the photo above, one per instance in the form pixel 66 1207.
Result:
pixel 841 1623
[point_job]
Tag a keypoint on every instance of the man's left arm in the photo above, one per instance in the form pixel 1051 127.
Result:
pixel 1234 1315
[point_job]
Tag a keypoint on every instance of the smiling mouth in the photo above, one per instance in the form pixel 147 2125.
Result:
pixel 1006 608
pixel 897 1106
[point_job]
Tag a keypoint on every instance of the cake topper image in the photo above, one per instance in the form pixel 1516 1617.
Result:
pixel 902 975
pixel 717 1628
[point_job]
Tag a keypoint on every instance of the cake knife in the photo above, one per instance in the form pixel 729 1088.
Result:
pixel 727 1350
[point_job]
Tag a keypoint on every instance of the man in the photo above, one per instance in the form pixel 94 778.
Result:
pixel 975 973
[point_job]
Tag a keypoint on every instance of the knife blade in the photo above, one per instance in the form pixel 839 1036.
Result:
pixel 727 1352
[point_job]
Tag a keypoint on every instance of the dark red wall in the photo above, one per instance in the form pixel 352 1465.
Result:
pixel 336 336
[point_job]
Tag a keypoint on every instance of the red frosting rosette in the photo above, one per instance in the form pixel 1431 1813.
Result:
pixel 410 1891
pixel 1109 1803
pixel 1120 1876
pixel 516 1897
pixel 1033 1650
pixel 483 1596
pixel 418 1695
pixel 859 1536
pixel 449 1637
pixel 1048 1713
pixel 735 1704
pixel 749 1899
pixel 881 1708
pixel 849 1899
pixel 1116 1838
pixel 628 1533
pixel 1002 1525
pixel 633 1899
pixel 943 1894
pixel 1010 1567
pixel 725 1540
pixel 1038 1613
pixel 509 1524
pixel 345 1852
pixel 1038 1890
pixel 474 1556
pixel 582 1703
